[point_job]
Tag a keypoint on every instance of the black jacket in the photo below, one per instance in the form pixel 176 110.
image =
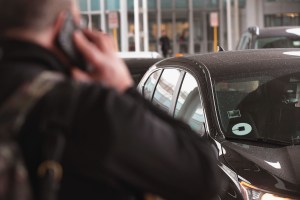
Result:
pixel 117 146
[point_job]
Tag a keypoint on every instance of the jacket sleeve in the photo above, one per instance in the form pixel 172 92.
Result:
pixel 125 141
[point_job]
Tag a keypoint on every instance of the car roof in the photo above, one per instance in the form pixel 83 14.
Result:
pixel 279 31
pixel 142 54
pixel 140 64
pixel 231 62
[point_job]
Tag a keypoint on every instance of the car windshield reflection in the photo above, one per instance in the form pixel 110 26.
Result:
pixel 260 108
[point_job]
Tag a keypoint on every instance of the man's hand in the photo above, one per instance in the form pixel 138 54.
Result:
pixel 100 52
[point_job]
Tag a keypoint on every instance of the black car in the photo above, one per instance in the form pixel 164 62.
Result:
pixel 247 103
pixel 270 37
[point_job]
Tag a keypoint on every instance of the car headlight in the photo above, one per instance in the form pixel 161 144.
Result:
pixel 251 192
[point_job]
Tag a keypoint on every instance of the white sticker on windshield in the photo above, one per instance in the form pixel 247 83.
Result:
pixel 233 114
pixel 241 129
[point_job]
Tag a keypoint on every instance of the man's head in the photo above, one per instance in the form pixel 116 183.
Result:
pixel 37 21
pixel 30 14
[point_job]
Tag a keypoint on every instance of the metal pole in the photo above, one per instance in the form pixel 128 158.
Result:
pixel 221 24
pixel 204 45
pixel 229 24
pixel 89 14
pixel 175 47
pixel 260 13
pixel 124 25
pixel 137 26
pixel 236 22
pixel 215 38
pixel 191 27
pixel 103 16
pixel 145 23
pixel 158 5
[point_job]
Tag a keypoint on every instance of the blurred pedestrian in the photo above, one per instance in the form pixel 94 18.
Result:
pixel 117 145
pixel 183 41
pixel 165 44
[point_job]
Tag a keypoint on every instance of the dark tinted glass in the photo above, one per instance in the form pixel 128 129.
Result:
pixel 261 107
pixel 277 42
pixel 165 89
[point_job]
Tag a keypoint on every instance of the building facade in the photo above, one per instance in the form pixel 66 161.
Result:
pixel 193 26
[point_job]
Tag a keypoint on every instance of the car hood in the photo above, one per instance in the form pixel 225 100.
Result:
pixel 273 169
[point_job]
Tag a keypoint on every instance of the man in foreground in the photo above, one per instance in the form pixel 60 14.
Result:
pixel 117 145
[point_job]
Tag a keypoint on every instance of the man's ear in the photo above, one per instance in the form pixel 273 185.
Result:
pixel 58 23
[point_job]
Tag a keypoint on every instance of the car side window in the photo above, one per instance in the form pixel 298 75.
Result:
pixel 188 106
pixel 244 41
pixel 165 88
pixel 150 84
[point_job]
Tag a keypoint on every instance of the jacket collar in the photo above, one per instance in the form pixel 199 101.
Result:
pixel 25 51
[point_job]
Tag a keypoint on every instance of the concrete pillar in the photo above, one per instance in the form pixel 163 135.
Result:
pixel 145 25
pixel 174 33
pixel 103 16
pixel 158 6
pixel 229 25
pixel 236 23
pixel 124 25
pixel 254 13
pixel 191 27
pixel 261 15
pixel 204 46
pixel 221 23
pixel 89 15
pixel 137 26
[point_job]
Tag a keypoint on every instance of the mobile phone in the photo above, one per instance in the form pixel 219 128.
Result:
pixel 65 42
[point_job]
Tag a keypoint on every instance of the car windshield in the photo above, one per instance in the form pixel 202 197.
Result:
pixel 277 42
pixel 260 107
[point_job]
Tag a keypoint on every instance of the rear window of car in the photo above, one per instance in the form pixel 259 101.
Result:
pixel 188 106
pixel 150 84
pixel 277 42
pixel 165 89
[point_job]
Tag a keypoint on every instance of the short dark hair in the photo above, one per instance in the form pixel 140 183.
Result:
pixel 32 14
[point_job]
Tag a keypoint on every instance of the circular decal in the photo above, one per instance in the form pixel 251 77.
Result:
pixel 241 129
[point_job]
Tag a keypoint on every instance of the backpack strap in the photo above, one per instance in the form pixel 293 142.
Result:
pixel 13 113
pixel 15 109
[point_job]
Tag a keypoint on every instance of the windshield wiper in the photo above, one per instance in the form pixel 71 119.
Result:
pixel 265 140
pixel 274 141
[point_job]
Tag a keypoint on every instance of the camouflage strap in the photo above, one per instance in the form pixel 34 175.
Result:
pixel 15 109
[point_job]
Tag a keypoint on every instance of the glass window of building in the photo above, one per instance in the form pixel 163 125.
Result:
pixel 198 4
pixel 83 5
pixel 166 4
pixel 151 5
pixel 175 20
pixel 95 5
pixel 181 3
pixel 112 4
pixel 96 21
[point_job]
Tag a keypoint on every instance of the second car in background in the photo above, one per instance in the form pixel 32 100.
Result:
pixel 271 37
